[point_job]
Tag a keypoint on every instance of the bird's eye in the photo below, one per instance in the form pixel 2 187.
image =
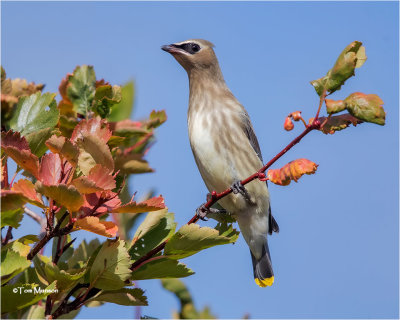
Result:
pixel 195 47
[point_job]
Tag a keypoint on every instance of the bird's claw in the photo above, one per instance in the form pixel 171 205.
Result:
pixel 237 187
pixel 203 211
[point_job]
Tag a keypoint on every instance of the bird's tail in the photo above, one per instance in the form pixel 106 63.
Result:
pixel 263 273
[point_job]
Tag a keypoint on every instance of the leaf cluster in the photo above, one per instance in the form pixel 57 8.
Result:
pixel 75 156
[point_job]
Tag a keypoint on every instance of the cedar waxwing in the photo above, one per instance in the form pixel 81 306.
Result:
pixel 226 150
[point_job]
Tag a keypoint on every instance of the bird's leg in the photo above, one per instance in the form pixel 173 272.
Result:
pixel 203 211
pixel 237 187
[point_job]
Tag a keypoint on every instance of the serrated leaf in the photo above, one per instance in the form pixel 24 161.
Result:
pixel 81 88
pixel 105 98
pixel 108 199
pixel 291 171
pixel 153 204
pixel 124 296
pixel 160 268
pixel 353 56
pixel 34 113
pixel 12 200
pixel 12 263
pixel 110 268
pixel 12 217
pixel 156 119
pixel 99 179
pixel 95 126
pixel 128 128
pixel 93 224
pixel 17 148
pixel 37 140
pixel 337 123
pixel 131 163
pixel 27 188
pixel 123 109
pixel 82 254
pixel 94 151
pixel 192 238
pixel 366 107
pixel 12 301
pixel 157 227
pixel 67 196
pixel 66 279
pixel 50 169
pixel 64 147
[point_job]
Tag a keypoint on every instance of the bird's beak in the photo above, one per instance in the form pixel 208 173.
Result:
pixel 171 48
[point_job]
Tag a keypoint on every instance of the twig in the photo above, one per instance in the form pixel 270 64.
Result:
pixel 8 236
pixel 34 216
pixel 316 124
pixel 57 231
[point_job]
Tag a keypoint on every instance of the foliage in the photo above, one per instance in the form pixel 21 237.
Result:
pixel 75 156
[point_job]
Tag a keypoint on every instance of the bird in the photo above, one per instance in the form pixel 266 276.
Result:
pixel 226 150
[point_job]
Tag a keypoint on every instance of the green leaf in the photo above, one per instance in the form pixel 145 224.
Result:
pixel 94 151
pixel 161 267
pixel 366 107
pixel 178 288
pixel 82 88
pixel 37 141
pixel 192 238
pixel 353 56
pixel 66 279
pixel 12 218
pixel 157 227
pixel 110 268
pixel 35 312
pixel 131 163
pixel 18 296
pixel 82 254
pixel 124 296
pixel 106 96
pixel 12 263
pixel 34 113
pixel 12 200
pixel 334 106
pixel 123 109
pixel 67 196
pixel 156 119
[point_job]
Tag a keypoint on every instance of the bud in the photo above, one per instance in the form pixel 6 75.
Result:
pixel 296 115
pixel 288 125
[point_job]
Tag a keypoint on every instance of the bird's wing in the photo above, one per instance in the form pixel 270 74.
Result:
pixel 273 225
pixel 248 128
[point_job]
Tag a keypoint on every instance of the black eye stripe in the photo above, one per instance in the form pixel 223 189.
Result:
pixel 190 47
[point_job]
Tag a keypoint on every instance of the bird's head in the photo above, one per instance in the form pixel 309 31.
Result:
pixel 195 54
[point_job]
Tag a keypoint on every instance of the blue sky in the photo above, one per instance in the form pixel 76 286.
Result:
pixel 337 255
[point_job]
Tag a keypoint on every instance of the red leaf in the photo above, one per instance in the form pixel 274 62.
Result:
pixel 291 171
pixel 17 148
pixel 27 188
pixel 99 179
pixel 100 203
pixel 94 126
pixel 152 204
pixel 93 224
pixel 337 123
pixel 50 169
pixel 64 147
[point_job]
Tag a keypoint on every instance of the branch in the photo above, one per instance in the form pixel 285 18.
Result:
pixel 315 125
pixel 56 232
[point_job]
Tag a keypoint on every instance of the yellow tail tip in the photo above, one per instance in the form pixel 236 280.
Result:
pixel 265 282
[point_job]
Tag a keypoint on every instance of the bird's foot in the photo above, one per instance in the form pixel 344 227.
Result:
pixel 203 211
pixel 237 187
